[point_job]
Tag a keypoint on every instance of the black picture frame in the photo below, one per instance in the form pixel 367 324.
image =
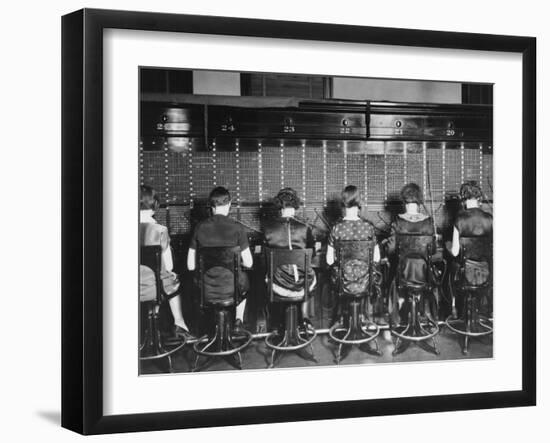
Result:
pixel 82 259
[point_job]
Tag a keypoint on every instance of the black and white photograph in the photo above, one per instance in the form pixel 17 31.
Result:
pixel 275 221
pixel 289 220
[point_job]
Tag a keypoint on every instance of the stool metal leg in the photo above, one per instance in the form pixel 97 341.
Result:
pixel 292 340
pixel 472 324
pixel 355 333
pixel 223 343
pixel 415 331
pixel 210 343
pixel 282 343
pixel 153 347
pixel 341 345
pixel 401 345
pixel 468 322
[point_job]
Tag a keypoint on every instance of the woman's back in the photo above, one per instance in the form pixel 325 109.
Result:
pixel 418 224
pixel 474 222
pixel 351 230
pixel 287 233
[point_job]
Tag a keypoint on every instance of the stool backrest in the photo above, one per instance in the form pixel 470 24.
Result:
pixel 227 262
pixel 417 247
pixel 279 257
pixel 151 257
pixel 476 258
pixel 354 256
pixel 478 248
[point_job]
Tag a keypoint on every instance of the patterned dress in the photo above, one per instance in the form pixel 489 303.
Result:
pixel 356 271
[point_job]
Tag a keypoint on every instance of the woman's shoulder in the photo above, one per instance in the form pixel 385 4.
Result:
pixel 413 218
pixel 277 225
pixel 413 223
pixel 355 228
pixel 465 214
pixel 152 227
pixel 152 234
pixel 273 223
pixel 367 223
pixel 341 225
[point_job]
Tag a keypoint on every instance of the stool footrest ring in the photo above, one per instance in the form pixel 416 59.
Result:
pixel 451 324
pixel 247 336
pixel 369 335
pixel 306 342
pixel 166 352
pixel 417 338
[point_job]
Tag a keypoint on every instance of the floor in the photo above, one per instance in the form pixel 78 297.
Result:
pixel 257 355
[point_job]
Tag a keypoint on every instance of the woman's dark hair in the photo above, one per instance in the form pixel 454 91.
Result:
pixel 219 197
pixel 286 198
pixel 411 193
pixel 470 190
pixel 351 197
pixel 148 198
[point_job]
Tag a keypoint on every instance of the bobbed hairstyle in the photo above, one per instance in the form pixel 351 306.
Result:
pixel 470 190
pixel 286 198
pixel 148 198
pixel 411 193
pixel 351 197
pixel 219 196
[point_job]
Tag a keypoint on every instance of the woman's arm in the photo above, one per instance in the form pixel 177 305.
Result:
pixel 191 259
pixel 166 250
pixel 455 248
pixel 167 259
pixel 246 257
pixel 331 252
pixel 376 254
pixel 330 255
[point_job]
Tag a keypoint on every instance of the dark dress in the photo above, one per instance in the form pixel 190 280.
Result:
pixel 472 223
pixel 411 269
pixel 286 233
pixel 221 231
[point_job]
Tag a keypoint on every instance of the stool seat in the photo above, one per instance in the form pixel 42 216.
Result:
pixel 221 303
pixel 349 296
pixel 468 287
pixel 413 285
pixel 283 299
